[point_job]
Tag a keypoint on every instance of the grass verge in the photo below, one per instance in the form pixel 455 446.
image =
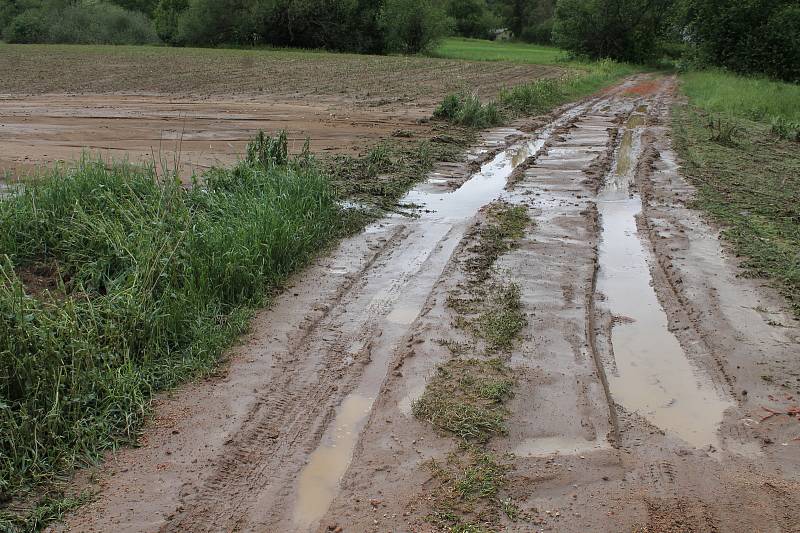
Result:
pixel 536 97
pixel 115 284
pixel 747 175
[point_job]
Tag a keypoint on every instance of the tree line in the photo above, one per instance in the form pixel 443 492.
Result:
pixel 745 36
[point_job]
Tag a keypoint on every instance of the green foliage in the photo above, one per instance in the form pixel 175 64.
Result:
pixel 529 20
pixel 723 131
pixel 482 50
pixel 757 99
pixel 465 397
pixel 166 16
pixel 56 21
pixel 472 18
pixel 412 26
pixel 115 284
pixel 756 36
pixel 786 129
pixel 624 30
pixel 467 110
pixel 752 188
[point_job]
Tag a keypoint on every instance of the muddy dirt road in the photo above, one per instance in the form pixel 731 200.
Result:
pixel 638 403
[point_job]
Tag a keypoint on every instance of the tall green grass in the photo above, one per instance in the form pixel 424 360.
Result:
pixel 115 284
pixel 757 99
pixel 538 96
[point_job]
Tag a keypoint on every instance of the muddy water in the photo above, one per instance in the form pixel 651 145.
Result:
pixel 653 376
pixel 443 219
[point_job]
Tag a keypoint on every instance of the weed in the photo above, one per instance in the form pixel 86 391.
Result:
pixel 723 131
pixel 786 130
pixel 467 110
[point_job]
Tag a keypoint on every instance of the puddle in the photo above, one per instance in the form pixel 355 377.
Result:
pixel 403 315
pixel 320 478
pixel 440 211
pixel 542 447
pixel 653 375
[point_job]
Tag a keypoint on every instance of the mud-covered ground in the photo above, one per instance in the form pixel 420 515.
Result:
pixel 194 108
pixel 638 402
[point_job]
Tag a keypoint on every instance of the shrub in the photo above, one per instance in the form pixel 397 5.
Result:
pixel 412 26
pixel 165 18
pixel 100 23
pixel 472 18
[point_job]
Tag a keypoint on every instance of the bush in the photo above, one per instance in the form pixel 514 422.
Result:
pixel 472 18
pixel 58 22
pixel 165 18
pixel 412 26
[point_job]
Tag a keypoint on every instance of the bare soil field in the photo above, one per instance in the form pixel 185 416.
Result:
pixel 625 354
pixel 148 104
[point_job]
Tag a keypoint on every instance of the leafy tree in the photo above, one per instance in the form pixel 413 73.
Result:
pixel 166 16
pixel 746 36
pixel 144 6
pixel 626 30
pixel 472 18
pixel 412 26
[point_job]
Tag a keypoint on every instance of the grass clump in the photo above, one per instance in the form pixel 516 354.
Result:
pixel 465 397
pixel 467 110
pixel 503 320
pixel 483 50
pixel 148 283
pixel 755 99
pixel 384 173
pixel 468 497
pixel 506 224
pixel 48 509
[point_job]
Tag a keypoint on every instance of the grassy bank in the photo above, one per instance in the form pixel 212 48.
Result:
pixel 538 96
pixel 737 144
pixel 115 284
pixel 482 50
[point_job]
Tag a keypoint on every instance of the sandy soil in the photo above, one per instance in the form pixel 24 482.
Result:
pixel 639 402
pixel 192 109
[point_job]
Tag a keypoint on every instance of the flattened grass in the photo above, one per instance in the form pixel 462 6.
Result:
pixel 752 187
pixel 748 181
pixel 465 397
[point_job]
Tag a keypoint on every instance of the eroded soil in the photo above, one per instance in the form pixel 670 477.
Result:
pixel 190 109
pixel 638 402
